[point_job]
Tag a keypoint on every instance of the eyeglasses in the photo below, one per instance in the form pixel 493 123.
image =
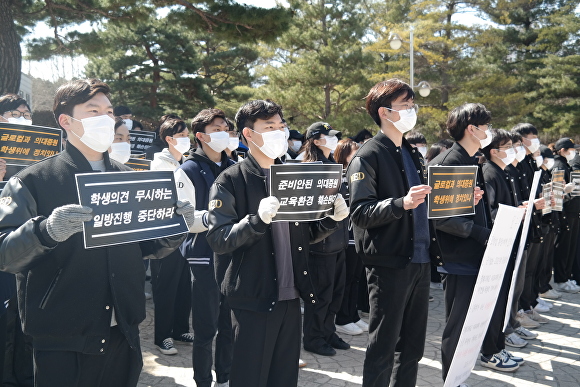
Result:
pixel 406 108
pixel 489 126
pixel 18 114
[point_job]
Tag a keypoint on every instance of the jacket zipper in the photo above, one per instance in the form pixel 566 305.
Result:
pixel 50 289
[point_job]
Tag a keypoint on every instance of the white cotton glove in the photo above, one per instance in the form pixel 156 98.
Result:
pixel 199 223
pixel 268 208
pixel 185 209
pixel 340 209
pixel 569 187
pixel 67 220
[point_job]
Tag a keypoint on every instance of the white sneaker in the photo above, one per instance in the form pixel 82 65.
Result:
pixel 362 325
pixel 574 284
pixel 499 362
pixel 565 287
pixel 513 340
pixel 525 334
pixel 302 363
pixel 436 285
pixel 525 320
pixel 167 347
pixel 551 294
pixel 226 384
pixel 547 304
pixel 511 356
pixel 541 308
pixel 532 314
pixel 349 329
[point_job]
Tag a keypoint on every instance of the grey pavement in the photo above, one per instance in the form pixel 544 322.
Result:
pixel 551 360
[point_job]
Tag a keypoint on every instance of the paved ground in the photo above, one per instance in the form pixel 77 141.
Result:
pixel 551 360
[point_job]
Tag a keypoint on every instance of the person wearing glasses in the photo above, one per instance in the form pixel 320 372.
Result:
pixel 13 109
pixel 387 184
pixel 210 311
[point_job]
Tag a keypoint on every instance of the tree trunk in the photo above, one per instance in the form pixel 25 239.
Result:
pixel 10 54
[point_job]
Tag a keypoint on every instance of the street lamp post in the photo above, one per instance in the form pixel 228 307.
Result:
pixel 396 42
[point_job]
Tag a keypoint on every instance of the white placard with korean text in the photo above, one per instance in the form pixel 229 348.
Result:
pixel 483 300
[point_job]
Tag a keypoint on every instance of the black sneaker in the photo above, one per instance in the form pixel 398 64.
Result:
pixel 184 338
pixel 339 343
pixel 324 350
pixel 167 347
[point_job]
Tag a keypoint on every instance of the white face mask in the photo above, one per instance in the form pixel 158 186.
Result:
pixel 183 144
pixel 219 141
pixel 296 144
pixel 520 153
pixel 486 141
pixel 571 154
pixel 422 150
pixel 549 163
pixel 99 132
pixel 129 123
pixel 20 121
pixel 233 143
pixel 120 151
pixel 275 143
pixel 510 156
pixel 406 121
pixel 539 161
pixel 331 142
pixel 535 145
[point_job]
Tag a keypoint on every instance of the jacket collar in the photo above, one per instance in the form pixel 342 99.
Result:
pixel 386 141
pixel 253 167
pixel 74 157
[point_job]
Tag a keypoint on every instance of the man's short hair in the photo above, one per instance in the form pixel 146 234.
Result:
pixel 231 125
pixel 515 136
pixel 75 93
pixel 499 137
pixel 414 137
pixel 170 127
pixel 204 118
pixel 524 129
pixel 467 114
pixel 384 93
pixel 362 135
pixel 121 110
pixel 11 102
pixel 255 110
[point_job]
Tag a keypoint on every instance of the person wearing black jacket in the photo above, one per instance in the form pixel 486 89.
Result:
pixel 566 244
pixel 391 233
pixel 210 311
pixel 261 266
pixel 82 307
pixel 327 259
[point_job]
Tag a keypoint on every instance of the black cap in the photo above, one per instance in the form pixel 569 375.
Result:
pixel 295 135
pixel 120 110
pixel 546 152
pixel 321 127
pixel 565 143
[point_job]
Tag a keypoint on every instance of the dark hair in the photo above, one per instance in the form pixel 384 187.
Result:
pixel 11 102
pixel 309 149
pixel 75 93
pixel 447 143
pixel 343 150
pixel 467 114
pixel 121 110
pixel 256 110
pixel 414 137
pixel 164 118
pixel 524 129
pixel 515 136
pixel 171 127
pixel 137 124
pixel 231 125
pixel 435 150
pixel 362 135
pixel 499 138
pixel 118 122
pixel 384 93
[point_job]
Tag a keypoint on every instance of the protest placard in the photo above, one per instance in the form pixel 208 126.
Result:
pixel 487 287
pixel 141 140
pixel 547 195
pixel 451 191
pixel 558 184
pixel 139 164
pixel 306 191
pixel 22 145
pixel 129 207
pixel 575 178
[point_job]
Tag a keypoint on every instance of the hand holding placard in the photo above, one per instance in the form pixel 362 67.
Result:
pixel 185 209
pixel 416 196
pixel 340 209
pixel 268 208
pixel 477 195
pixel 67 220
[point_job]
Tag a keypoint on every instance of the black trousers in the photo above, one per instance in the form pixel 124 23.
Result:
pixel 18 364
pixel 210 315
pixel 348 312
pixel 328 276
pixel 171 284
pixel 399 304
pixel 565 252
pixel 266 346
pixel 547 263
pixel 518 289
pixel 119 366
pixel 529 295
